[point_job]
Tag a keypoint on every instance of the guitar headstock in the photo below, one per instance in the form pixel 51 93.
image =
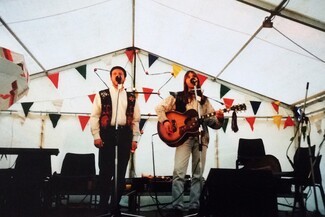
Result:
pixel 239 107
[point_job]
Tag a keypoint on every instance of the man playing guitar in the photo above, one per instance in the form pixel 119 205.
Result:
pixel 193 142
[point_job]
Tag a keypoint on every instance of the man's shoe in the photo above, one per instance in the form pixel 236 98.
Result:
pixel 193 211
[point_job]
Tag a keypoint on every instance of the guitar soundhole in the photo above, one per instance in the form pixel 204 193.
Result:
pixel 174 126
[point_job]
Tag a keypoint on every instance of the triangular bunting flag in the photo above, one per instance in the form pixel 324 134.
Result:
pixel 225 124
pixel 82 70
pixel 26 106
pixel 54 78
pixel 176 70
pixel 228 102
pixel 142 124
pixel 277 120
pixel 152 59
pixel 255 106
pixel 92 97
pixel 202 78
pixel 54 119
pixel 276 106
pixel 83 121
pixel 288 122
pixel 147 93
pixel 223 90
pixel 251 121
pixel 130 53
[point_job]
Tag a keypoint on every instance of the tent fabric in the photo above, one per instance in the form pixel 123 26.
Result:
pixel 277 62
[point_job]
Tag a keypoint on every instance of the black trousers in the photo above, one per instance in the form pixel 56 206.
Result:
pixel 121 139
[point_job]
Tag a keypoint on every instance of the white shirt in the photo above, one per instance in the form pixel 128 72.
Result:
pixel 121 97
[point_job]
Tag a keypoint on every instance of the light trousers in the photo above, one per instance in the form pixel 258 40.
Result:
pixel 182 157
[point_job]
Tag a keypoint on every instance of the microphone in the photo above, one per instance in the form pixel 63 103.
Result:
pixel 118 79
pixel 100 69
pixel 194 81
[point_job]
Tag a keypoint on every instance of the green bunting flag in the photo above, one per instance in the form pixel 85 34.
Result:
pixel 54 119
pixel 152 59
pixel 225 124
pixel 223 90
pixel 142 123
pixel 26 106
pixel 255 105
pixel 82 70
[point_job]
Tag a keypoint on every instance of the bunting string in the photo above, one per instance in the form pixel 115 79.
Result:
pixel 164 85
pixel 144 70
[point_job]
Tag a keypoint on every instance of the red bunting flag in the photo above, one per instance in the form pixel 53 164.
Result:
pixel 288 122
pixel 83 121
pixel 54 78
pixel 130 54
pixel 202 78
pixel 147 93
pixel 92 97
pixel 276 106
pixel 251 121
pixel 228 102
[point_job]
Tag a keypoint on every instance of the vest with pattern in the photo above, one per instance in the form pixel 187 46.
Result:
pixel 106 113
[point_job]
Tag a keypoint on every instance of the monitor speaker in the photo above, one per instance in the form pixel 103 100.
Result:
pixel 239 193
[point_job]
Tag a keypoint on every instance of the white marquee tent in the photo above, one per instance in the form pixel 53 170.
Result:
pixel 266 51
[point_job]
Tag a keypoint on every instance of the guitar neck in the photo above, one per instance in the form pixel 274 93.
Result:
pixel 240 107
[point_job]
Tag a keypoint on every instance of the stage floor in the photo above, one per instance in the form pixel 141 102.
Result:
pixel 87 212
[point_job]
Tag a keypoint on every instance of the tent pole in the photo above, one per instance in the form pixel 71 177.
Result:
pixel 22 44
pixel 241 49
pixel 268 20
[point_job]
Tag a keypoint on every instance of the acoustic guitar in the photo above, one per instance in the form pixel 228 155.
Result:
pixel 186 124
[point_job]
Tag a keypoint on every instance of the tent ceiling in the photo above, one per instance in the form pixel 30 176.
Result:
pixel 206 36
pixel 302 11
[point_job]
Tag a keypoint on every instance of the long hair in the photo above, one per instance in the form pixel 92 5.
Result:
pixel 187 93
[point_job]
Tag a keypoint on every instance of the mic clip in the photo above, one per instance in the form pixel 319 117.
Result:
pixel 194 81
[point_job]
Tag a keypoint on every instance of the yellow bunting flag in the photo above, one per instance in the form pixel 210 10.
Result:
pixel 176 70
pixel 277 120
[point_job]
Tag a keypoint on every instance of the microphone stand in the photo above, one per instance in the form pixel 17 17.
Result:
pixel 311 163
pixel 200 133
pixel 116 147
pixel 116 150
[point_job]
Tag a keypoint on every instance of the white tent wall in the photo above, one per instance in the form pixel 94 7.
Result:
pixel 36 130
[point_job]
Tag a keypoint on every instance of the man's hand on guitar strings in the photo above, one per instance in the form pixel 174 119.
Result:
pixel 168 127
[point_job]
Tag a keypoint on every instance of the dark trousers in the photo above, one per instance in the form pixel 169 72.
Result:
pixel 120 139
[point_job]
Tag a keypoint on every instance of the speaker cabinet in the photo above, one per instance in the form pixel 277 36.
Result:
pixel 239 193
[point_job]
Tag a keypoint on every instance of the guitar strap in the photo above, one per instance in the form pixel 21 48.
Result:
pixel 180 102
